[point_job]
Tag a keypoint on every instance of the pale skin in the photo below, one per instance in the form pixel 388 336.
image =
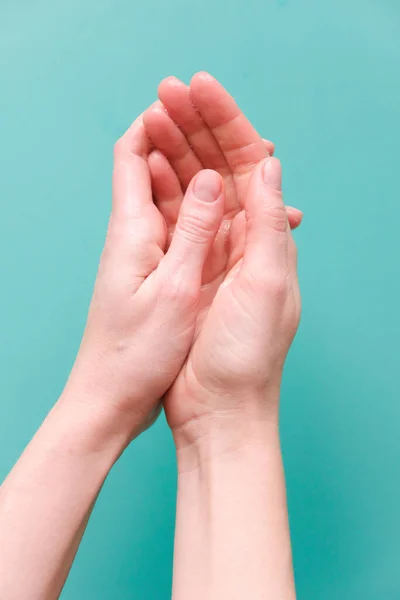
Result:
pixel 196 302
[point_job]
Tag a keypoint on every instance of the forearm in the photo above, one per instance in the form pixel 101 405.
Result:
pixel 46 500
pixel 232 535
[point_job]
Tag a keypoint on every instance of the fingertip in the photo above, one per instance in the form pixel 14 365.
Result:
pixel 200 78
pixel 272 173
pixel 134 141
pixel 169 80
pixel 204 75
pixel 207 75
pixel 270 147
pixel 295 216
pixel 157 125
pixel 153 110
pixel 207 185
pixel 295 211
pixel 151 116
pixel 198 222
pixel 169 85
pixel 156 158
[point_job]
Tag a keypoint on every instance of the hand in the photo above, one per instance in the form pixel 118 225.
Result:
pixel 193 128
pixel 223 405
pixel 235 364
pixel 196 128
pixel 143 312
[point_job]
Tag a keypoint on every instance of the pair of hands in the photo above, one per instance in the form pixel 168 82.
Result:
pixel 196 299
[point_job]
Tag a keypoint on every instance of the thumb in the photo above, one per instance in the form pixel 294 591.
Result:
pixel 266 244
pixel 199 219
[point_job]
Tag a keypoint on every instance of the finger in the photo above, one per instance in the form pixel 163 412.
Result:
pixel 131 176
pixel 170 140
pixel 292 255
pixel 238 233
pixel 198 222
pixel 175 96
pixel 270 146
pixel 167 191
pixel 266 243
pixel 292 269
pixel 295 216
pixel 136 226
pixel 240 143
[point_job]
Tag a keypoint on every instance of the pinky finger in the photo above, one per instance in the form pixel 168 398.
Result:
pixel 270 146
pixel 295 216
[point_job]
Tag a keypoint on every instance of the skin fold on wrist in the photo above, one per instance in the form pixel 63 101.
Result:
pixel 222 433
pixel 231 496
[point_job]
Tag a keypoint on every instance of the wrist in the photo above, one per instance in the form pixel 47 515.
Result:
pixel 231 495
pixel 113 411
pixel 81 428
pixel 238 428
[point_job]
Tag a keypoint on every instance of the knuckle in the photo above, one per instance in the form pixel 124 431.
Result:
pixel 277 217
pixel 180 290
pixel 194 228
pixel 271 284
pixel 277 286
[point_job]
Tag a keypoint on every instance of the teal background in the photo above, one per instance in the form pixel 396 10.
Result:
pixel 320 78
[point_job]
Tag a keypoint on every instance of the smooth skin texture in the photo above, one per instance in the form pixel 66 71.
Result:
pixel 201 127
pixel 139 330
pixel 196 301
pixel 232 536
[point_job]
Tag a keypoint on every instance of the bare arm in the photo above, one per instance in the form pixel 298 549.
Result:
pixel 140 326
pixel 232 536
pixel 46 500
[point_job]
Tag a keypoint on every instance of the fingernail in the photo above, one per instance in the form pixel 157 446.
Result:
pixel 172 80
pixel 156 154
pixel 207 186
pixel 207 76
pixel 272 173
pixel 157 106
